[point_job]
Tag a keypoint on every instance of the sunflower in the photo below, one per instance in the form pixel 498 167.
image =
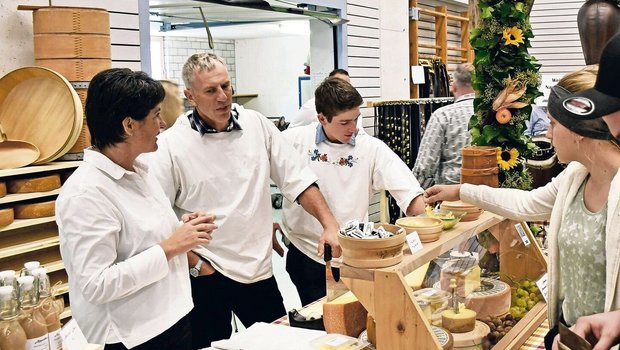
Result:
pixel 507 159
pixel 513 36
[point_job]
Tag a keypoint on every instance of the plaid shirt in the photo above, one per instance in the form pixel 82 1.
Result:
pixel 439 156
pixel 204 128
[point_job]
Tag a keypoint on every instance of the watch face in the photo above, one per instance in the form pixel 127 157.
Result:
pixel 194 272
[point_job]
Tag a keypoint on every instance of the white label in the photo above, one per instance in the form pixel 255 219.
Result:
pixel 413 240
pixel 40 343
pixel 417 74
pixel 55 340
pixel 542 286
pixel 337 341
pixel 72 336
pixel 523 235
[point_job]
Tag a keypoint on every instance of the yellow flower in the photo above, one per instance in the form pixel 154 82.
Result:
pixel 507 159
pixel 513 36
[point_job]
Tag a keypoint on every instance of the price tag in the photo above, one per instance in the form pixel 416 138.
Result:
pixel 413 240
pixel 523 235
pixel 72 336
pixel 542 286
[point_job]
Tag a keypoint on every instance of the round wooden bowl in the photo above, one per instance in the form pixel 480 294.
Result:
pixel 472 212
pixel 6 217
pixel 428 229
pixel 373 253
pixel 39 106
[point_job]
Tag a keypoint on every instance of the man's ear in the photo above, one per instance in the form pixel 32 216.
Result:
pixel 322 119
pixel 189 96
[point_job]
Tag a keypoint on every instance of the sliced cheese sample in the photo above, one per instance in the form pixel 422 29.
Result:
pixel 37 184
pixel 345 315
pixel 461 322
pixel 416 278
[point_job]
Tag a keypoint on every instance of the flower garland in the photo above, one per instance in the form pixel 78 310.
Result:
pixel 506 81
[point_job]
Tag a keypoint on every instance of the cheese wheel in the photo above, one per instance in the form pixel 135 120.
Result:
pixel 34 210
pixel 471 340
pixel 345 315
pixel 493 299
pixel 2 189
pixel 494 302
pixel 6 216
pixel 38 184
pixel 461 322
pixel 444 337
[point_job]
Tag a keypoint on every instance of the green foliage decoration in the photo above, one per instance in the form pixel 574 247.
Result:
pixel 500 42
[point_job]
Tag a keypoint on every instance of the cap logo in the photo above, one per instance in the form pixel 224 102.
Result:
pixel 579 105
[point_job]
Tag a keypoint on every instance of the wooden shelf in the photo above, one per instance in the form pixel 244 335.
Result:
pixel 244 95
pixel 62 289
pixel 17 197
pixel 23 223
pixel 66 313
pixel 54 266
pixel 40 168
pixel 13 245
pixel 448 240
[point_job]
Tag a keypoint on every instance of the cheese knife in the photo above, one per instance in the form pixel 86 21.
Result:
pixel 570 340
pixel 334 288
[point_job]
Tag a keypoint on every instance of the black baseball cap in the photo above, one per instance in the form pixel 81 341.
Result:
pixel 604 98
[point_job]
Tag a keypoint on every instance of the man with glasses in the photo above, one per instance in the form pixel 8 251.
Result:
pixel 351 167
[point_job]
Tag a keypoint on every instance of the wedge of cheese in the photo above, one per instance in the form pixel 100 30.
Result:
pixel 416 278
pixel 467 281
pixel 345 315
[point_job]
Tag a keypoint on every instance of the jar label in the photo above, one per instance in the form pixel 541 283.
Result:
pixel 55 340
pixel 40 343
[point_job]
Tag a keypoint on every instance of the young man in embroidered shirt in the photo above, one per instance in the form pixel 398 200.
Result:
pixel 351 166
pixel 221 156
pixel 439 157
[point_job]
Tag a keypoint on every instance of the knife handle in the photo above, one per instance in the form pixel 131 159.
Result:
pixel 327 253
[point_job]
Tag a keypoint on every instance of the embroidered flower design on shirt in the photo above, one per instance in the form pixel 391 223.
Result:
pixel 317 156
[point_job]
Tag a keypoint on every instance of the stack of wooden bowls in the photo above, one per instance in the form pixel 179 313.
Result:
pixel 39 106
pixel 472 211
pixel 428 229
pixel 373 253
pixel 74 42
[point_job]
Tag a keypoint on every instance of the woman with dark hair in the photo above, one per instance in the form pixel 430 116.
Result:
pixel 123 248
pixel 581 204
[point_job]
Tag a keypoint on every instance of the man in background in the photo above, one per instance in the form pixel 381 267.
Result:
pixel 307 113
pixel 439 158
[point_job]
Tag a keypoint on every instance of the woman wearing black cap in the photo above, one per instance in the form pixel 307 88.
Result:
pixel 582 205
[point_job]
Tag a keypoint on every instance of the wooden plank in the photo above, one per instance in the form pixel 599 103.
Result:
pixel 517 261
pixel 441 34
pixel 39 168
pixel 24 223
pixel 414 58
pixel 17 197
pixel 401 324
pixel 364 292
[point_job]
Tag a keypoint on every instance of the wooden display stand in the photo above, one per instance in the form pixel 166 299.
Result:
pixel 400 323
pixel 34 239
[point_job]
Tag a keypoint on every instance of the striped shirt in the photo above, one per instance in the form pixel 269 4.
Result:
pixel 439 156
pixel 204 128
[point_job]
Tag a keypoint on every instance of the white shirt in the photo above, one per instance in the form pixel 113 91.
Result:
pixel 348 177
pixel 228 174
pixel 110 220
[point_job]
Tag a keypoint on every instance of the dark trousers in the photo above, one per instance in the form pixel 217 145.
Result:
pixel 217 296
pixel 553 332
pixel 179 336
pixel 307 275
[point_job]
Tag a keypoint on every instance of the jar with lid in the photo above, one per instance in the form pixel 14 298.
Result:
pixel 32 321
pixel 49 308
pixel 12 335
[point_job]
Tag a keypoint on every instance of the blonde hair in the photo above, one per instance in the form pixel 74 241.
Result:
pixel 579 80
pixel 199 62
pixel 172 105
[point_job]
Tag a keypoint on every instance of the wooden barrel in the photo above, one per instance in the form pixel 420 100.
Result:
pixel 75 42
pixel 479 166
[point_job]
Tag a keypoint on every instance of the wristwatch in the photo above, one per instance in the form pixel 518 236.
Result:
pixel 195 271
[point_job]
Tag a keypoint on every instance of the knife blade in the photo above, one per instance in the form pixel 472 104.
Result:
pixel 570 340
pixel 334 288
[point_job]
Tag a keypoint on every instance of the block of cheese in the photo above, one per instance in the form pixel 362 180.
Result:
pixel 416 278
pixel 37 184
pixel 493 299
pixel 2 189
pixel 34 210
pixel 6 216
pixel 465 270
pixel 344 315
pixel 461 322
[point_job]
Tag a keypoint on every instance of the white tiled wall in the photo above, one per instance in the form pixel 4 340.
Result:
pixel 178 49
